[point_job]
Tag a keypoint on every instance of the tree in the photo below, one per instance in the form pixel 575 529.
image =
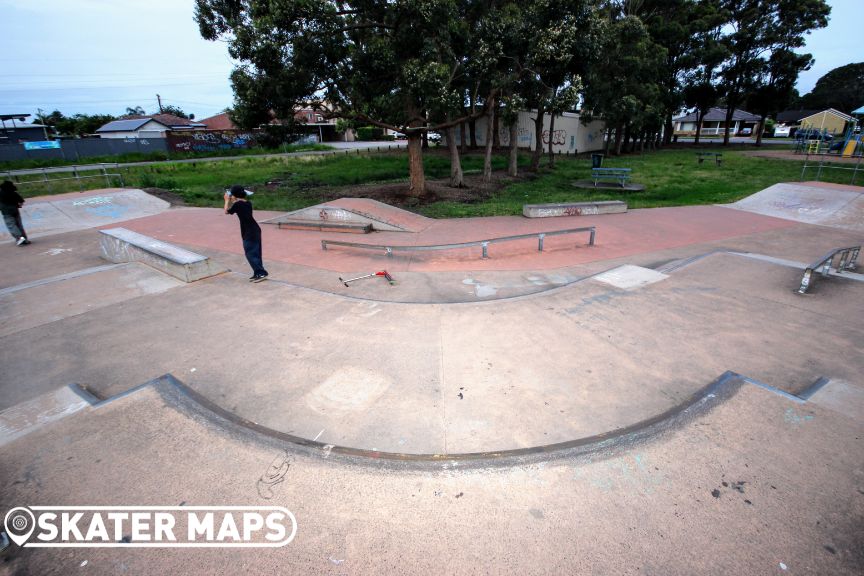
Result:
pixel 176 111
pixel 77 125
pixel 760 28
pixel 383 63
pixel 842 89
pixel 136 111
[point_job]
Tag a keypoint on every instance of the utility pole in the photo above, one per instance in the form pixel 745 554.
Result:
pixel 159 99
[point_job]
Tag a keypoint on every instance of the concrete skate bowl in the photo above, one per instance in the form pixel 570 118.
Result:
pixel 581 366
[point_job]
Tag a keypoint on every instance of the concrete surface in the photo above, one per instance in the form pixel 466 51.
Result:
pixel 122 245
pixel 461 355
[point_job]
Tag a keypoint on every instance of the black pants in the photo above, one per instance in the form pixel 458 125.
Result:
pixel 252 248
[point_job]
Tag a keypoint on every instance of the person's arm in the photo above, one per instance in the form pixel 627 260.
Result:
pixel 20 200
pixel 229 202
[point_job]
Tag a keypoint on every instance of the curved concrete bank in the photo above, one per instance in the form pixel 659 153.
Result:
pixel 185 399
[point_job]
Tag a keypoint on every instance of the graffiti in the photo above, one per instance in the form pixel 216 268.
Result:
pixel 523 135
pixel 94 201
pixel 210 140
pixel 274 475
pixel 559 137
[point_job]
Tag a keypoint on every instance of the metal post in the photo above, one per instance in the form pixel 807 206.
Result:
pixel 805 281
pixel 323 244
pixel 389 252
pixel 540 243
pixel 591 240
pixel 485 252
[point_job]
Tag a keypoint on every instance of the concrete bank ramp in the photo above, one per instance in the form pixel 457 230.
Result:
pixel 819 203
pixel 359 211
pixel 63 213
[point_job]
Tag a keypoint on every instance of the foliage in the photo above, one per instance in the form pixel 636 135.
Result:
pixel 842 89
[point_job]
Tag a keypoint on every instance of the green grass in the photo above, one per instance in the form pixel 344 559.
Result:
pixel 671 178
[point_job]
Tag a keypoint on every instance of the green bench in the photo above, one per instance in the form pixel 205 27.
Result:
pixel 620 175
pixel 718 157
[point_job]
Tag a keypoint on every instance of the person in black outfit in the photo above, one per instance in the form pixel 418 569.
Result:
pixel 10 204
pixel 236 203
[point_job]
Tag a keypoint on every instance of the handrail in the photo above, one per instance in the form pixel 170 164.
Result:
pixel 389 249
pixel 848 258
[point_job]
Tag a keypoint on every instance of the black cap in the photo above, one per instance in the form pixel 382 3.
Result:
pixel 238 191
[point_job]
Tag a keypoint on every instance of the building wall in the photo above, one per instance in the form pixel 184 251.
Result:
pixel 825 121
pixel 570 135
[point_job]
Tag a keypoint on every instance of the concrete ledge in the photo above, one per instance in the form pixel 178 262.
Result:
pixel 122 245
pixel 574 209
pixel 344 228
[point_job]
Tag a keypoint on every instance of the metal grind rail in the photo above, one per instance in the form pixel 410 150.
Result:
pixel 389 249
pixel 848 258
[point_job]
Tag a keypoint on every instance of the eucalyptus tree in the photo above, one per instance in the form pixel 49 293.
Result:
pixel 384 63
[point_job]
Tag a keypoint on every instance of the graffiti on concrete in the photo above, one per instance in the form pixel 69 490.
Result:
pixel 523 135
pixel 210 141
pixel 559 137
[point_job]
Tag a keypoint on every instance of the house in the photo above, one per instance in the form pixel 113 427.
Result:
pixel 831 121
pixel 153 126
pixel 15 129
pixel 714 123
pixel 219 122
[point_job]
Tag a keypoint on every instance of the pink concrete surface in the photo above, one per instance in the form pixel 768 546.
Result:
pixel 68 196
pixel 618 235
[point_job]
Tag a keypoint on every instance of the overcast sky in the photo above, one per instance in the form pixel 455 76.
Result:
pixel 100 56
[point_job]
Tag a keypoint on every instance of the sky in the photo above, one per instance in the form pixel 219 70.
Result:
pixel 102 56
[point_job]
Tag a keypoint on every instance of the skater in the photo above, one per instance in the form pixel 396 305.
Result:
pixel 10 204
pixel 236 203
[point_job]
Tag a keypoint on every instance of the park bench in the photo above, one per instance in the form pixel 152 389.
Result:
pixel 620 175
pixel 718 157
pixel 121 245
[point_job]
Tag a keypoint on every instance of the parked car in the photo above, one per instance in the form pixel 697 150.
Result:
pixel 745 132
pixel 782 131
pixel 434 137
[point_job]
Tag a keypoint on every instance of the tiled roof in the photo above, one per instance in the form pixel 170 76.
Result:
pixel 219 122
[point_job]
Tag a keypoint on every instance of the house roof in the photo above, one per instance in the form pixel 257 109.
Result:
pixel 858 110
pixel 128 125
pixel 831 111
pixel 719 115
pixel 219 122
pixel 793 116
pixel 132 123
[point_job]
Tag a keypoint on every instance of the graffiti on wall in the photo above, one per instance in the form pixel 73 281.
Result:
pixel 559 137
pixel 210 141
pixel 523 135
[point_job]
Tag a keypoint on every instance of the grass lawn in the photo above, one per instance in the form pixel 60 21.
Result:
pixel 671 177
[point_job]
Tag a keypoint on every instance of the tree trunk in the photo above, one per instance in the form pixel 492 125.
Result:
pixel 730 111
pixel 619 139
pixel 490 126
pixel 551 140
pixel 607 142
pixel 456 177
pixel 538 140
pixel 761 128
pixel 496 137
pixel 417 186
pixel 668 129
pixel 699 118
pixel 513 161
pixel 472 124
pixel 425 138
pixel 463 144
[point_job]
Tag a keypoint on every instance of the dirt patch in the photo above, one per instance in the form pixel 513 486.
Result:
pixel 398 194
pixel 171 197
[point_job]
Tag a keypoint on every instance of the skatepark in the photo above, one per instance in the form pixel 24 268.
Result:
pixel 665 400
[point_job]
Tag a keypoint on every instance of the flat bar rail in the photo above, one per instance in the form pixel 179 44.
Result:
pixel 389 248
pixel 847 261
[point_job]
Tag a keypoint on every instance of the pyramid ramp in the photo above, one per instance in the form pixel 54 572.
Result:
pixel 358 212
pixel 68 212
pixel 811 203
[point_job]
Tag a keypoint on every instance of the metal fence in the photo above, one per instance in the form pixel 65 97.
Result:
pixel 78 149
